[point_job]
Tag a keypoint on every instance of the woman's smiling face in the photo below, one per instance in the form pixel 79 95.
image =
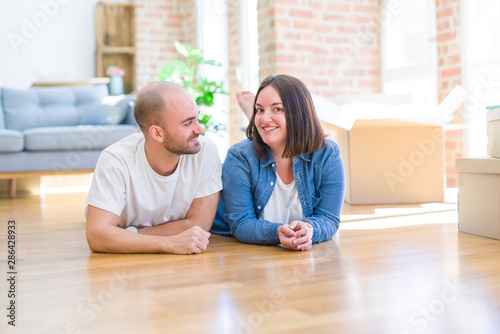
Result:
pixel 270 119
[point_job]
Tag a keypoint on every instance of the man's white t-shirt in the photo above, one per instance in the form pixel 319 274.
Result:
pixel 125 184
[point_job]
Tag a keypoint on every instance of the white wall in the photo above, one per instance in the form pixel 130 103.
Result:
pixel 46 40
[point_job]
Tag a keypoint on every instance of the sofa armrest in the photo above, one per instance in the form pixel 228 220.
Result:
pixel 11 141
pixel 2 117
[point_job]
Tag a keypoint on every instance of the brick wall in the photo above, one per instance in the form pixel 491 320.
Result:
pixel 267 38
pixel 330 45
pixel 449 75
pixel 189 28
pixel 159 23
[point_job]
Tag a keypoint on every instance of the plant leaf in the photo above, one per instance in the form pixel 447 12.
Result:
pixel 181 48
pixel 174 72
pixel 182 72
pixel 211 62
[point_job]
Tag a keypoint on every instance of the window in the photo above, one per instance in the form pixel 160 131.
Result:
pixel 213 40
pixel 408 50
pixel 481 53
pixel 249 41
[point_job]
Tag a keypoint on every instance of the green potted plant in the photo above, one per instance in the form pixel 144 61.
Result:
pixel 183 73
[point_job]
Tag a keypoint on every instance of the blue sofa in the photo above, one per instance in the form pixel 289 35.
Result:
pixel 50 130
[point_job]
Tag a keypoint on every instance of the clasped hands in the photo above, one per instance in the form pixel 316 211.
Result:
pixel 296 236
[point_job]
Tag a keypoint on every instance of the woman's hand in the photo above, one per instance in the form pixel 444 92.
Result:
pixel 245 100
pixel 296 236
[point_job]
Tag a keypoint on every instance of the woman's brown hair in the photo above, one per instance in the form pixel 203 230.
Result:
pixel 304 132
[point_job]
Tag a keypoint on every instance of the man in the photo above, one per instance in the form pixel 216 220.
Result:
pixel 156 192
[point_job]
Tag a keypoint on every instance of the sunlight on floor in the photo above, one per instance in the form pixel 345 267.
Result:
pixel 444 217
pixel 64 184
pixel 357 217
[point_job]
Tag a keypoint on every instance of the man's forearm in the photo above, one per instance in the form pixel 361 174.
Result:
pixel 201 213
pixel 103 235
pixel 170 228
pixel 111 239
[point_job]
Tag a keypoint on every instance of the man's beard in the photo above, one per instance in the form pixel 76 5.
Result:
pixel 180 148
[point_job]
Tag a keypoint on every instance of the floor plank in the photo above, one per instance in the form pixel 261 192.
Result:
pixel 391 269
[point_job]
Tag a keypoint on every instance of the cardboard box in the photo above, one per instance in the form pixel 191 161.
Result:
pixel 391 161
pixel 479 196
pixel 392 153
pixel 493 119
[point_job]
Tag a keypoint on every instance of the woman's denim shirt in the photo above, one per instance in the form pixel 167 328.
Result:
pixel 249 182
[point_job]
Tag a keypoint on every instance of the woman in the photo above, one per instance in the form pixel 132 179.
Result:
pixel 285 183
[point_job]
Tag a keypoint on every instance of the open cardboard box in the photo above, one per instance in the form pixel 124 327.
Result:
pixel 395 156
pixel 479 196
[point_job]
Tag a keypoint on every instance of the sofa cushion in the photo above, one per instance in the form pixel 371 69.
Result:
pixel 81 137
pixel 55 96
pixel 111 110
pixel 47 106
pixel 89 94
pixel 30 108
pixel 11 141
pixel 21 108
pixel 130 118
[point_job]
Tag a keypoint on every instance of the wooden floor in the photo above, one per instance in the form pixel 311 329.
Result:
pixel 392 269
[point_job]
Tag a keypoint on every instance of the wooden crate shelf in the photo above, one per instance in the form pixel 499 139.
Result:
pixel 115 40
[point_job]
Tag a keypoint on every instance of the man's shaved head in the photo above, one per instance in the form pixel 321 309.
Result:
pixel 152 101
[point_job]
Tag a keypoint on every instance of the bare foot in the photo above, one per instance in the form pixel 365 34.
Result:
pixel 245 100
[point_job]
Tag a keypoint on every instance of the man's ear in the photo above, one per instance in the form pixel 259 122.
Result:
pixel 156 132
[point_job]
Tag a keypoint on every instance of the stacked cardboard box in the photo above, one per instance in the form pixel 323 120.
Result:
pixel 493 119
pixel 479 186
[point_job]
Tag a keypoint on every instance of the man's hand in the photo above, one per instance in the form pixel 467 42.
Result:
pixel 192 241
pixel 295 236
